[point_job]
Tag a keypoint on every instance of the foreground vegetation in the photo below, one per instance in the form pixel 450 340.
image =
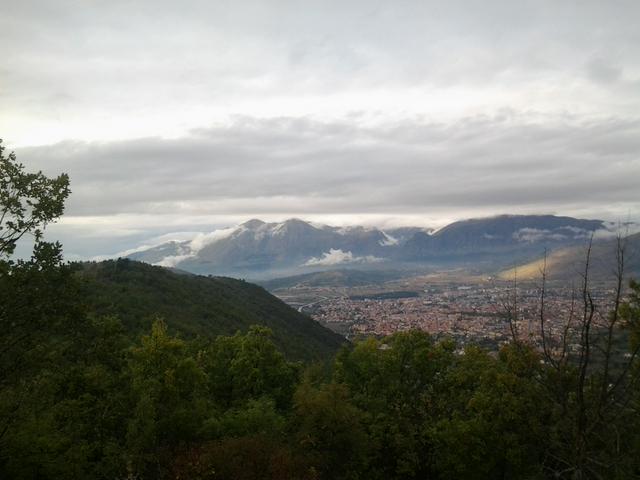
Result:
pixel 81 398
pixel 84 394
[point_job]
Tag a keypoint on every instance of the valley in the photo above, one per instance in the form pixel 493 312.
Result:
pixel 364 281
pixel 469 308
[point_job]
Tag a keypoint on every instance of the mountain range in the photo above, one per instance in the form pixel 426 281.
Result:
pixel 257 249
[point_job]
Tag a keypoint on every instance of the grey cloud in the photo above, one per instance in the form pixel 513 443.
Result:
pixel 285 165
pixel 603 71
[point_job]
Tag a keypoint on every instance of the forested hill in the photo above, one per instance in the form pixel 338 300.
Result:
pixel 196 305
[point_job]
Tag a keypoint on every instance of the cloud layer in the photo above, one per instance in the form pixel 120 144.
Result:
pixel 277 166
pixel 112 70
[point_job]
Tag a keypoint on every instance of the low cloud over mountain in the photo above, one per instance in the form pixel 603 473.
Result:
pixel 338 257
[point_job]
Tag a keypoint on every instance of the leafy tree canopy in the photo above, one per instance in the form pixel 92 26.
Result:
pixel 28 202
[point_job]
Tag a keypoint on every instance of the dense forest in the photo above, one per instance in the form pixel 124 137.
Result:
pixel 194 305
pixel 100 377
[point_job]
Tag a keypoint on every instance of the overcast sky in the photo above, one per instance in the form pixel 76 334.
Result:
pixel 185 116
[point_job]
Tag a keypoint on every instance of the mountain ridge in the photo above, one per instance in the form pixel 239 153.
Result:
pixel 256 248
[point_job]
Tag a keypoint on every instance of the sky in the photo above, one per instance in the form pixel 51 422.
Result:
pixel 194 115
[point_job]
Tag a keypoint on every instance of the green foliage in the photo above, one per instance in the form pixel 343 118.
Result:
pixel 402 408
pixel 88 403
pixel 66 418
pixel 168 388
pixel 246 367
pixel 490 423
pixel 255 417
pixel 28 202
pixel 329 430
pixel 38 301
pixel 395 383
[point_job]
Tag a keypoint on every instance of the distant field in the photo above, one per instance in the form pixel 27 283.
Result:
pixel 385 295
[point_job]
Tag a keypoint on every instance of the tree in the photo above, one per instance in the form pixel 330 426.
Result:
pixel 329 430
pixel 30 291
pixel 394 382
pixel 37 300
pixel 489 419
pixel 591 376
pixel 28 202
pixel 169 391
pixel 248 366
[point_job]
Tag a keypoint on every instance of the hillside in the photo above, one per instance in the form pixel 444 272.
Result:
pixel 568 262
pixel 195 305
pixel 501 236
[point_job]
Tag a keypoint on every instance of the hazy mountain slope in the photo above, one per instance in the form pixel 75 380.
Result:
pixel 195 305
pixel 501 235
pixel 569 262
pixel 256 246
pixel 403 234
pixel 160 253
